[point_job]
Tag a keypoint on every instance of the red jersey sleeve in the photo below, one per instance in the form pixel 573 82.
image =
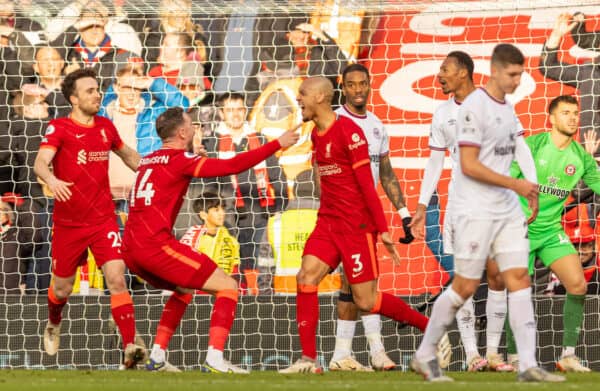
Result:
pixel 53 138
pixel 358 150
pixel 356 144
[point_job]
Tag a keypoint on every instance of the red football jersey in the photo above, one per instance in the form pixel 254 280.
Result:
pixel 82 158
pixel 338 152
pixel 161 182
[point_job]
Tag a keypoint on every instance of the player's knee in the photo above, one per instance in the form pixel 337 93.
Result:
pixel 365 303
pixel 578 287
pixel 495 282
pixel 63 290
pixel 116 283
pixel 306 277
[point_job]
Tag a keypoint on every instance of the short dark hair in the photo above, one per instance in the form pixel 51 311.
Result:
pixel 207 201
pixel 355 68
pixel 570 99
pixel 168 121
pixel 230 96
pixel 507 54
pixel 463 60
pixel 68 85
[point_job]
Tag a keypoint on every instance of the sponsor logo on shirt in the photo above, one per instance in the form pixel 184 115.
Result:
pixel 552 188
pixel 357 142
pixel 330 169
pixel 503 150
pixel 162 159
pixel 97 156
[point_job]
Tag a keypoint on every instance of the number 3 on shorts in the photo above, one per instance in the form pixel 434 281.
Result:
pixel 358 265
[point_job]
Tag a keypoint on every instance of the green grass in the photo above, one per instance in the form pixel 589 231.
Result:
pixel 23 380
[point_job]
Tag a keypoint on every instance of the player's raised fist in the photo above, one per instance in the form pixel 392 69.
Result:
pixel 290 137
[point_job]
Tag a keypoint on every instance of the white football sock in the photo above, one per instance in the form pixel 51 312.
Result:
pixel 522 322
pixel 444 311
pixel 465 319
pixel 343 339
pixel 214 357
pixel 372 326
pixel 495 311
pixel 157 354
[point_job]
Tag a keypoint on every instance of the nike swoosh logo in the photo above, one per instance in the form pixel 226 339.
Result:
pixel 79 135
pixel 356 275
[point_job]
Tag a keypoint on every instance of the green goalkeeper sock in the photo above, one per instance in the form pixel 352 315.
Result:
pixel 572 319
pixel 511 346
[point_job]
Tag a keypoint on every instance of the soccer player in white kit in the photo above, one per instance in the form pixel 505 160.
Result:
pixel 486 220
pixel 456 78
pixel 356 88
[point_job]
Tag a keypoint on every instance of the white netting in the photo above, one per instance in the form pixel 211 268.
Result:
pixel 246 46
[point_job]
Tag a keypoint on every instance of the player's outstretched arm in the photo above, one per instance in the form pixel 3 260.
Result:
pixel 244 161
pixel 391 186
pixel 129 156
pixel 431 177
pixel 59 188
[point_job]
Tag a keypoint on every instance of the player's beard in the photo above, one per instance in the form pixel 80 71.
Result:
pixel 565 132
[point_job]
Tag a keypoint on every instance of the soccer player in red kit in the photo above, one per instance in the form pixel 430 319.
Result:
pixel 78 148
pixel 349 218
pixel 152 252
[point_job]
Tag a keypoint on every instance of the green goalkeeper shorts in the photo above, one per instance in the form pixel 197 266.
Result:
pixel 549 247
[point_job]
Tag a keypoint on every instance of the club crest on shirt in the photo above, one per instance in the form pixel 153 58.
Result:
pixel 355 137
pixel 328 150
pixel 376 133
pixel 570 169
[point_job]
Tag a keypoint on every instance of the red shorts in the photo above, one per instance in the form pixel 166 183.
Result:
pixel 169 265
pixel 356 251
pixel 70 246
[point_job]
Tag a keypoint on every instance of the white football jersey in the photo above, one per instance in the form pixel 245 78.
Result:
pixel 442 137
pixel 493 126
pixel 377 137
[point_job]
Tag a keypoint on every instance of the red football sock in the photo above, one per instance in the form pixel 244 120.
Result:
pixel 170 318
pixel 307 316
pixel 121 307
pixel 222 317
pixel 55 306
pixel 395 308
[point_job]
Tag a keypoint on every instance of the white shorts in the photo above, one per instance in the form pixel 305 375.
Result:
pixel 473 241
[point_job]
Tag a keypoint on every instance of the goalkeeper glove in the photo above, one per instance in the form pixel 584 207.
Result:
pixel 406 220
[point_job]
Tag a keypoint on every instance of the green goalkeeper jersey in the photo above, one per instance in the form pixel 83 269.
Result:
pixel 558 172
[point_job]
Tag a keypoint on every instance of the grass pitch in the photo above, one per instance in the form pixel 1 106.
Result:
pixel 22 380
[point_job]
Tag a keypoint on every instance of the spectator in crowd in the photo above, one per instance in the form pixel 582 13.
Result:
pixel 12 156
pixel 583 38
pixel 135 101
pixel 176 48
pixel 235 40
pixel 174 16
pixel 281 247
pixel 260 191
pixel 583 238
pixel 37 12
pixel 191 82
pixel 22 264
pixel 585 77
pixel 29 120
pixel 304 50
pixel 12 265
pixel 90 46
pixel 123 36
pixel 48 68
pixel 212 237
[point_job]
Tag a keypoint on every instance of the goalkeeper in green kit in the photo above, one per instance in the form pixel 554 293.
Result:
pixel 560 162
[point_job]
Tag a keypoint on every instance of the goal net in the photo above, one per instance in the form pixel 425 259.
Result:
pixel 193 54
